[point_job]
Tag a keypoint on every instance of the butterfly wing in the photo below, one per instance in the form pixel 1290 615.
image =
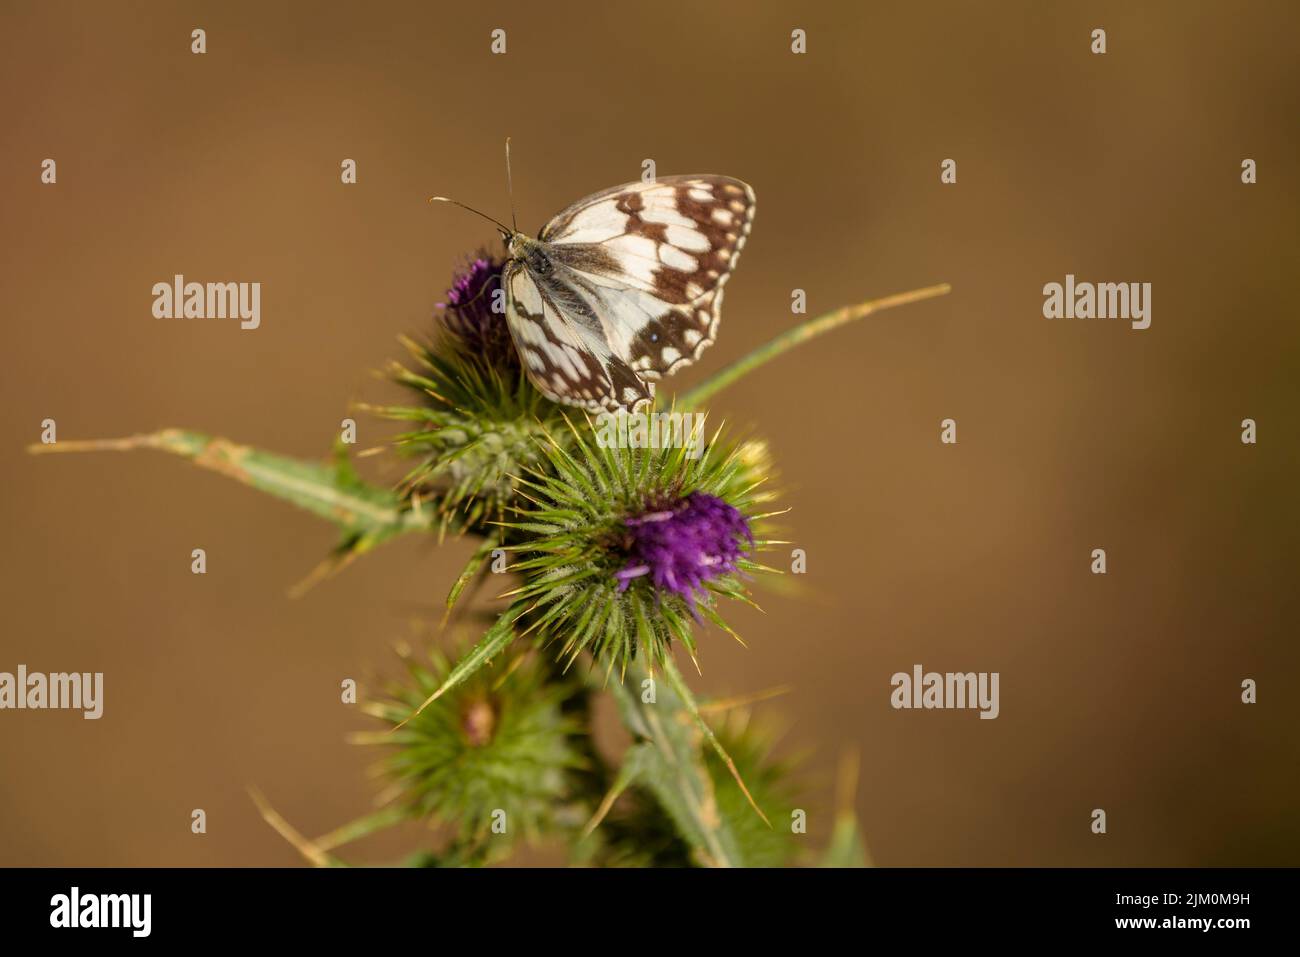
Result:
pixel 558 339
pixel 651 260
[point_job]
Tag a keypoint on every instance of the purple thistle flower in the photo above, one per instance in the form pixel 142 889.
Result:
pixel 468 316
pixel 685 545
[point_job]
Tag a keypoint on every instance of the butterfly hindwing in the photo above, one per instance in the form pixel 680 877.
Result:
pixel 565 361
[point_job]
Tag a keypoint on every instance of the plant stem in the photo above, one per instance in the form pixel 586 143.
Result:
pixel 800 334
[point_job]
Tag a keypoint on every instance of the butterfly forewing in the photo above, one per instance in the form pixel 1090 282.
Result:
pixel 638 271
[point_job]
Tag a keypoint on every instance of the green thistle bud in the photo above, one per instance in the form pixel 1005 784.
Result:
pixel 479 418
pixel 496 758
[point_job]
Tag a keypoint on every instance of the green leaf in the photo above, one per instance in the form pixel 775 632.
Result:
pixel 799 335
pixel 688 702
pixel 847 847
pixel 363 827
pixel 329 490
pixel 667 761
pixel 501 634
pixel 472 568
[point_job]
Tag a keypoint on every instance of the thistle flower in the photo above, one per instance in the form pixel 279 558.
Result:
pixel 686 544
pixel 622 549
pixel 497 743
pixel 468 316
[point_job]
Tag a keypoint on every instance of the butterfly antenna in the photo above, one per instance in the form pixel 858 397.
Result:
pixel 510 188
pixel 499 225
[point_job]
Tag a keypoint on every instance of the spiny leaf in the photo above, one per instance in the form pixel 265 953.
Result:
pixel 322 488
pixel 361 827
pixel 471 569
pixel 799 335
pixel 489 646
pixel 688 701
pixel 667 762
pixel 847 848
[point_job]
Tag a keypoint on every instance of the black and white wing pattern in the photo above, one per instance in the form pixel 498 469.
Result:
pixel 557 336
pixel 625 287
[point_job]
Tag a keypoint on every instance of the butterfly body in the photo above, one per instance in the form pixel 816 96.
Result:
pixel 624 287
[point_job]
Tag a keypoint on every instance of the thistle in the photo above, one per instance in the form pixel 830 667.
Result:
pixel 470 318
pixel 642 833
pixel 478 418
pixel 684 544
pixel 493 759
pixel 622 551
pixel 619 557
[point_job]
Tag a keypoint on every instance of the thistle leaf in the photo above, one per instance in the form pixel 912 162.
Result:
pixel 333 492
pixel 501 634
pixel 800 334
pixel 847 848
pixel 363 826
pixel 688 702
pixel 667 762
pixel 472 568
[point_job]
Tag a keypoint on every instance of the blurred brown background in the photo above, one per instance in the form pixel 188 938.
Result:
pixel 1120 692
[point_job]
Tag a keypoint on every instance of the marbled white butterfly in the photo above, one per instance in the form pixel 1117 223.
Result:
pixel 624 287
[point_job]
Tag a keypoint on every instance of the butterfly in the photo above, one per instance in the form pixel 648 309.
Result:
pixel 624 287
